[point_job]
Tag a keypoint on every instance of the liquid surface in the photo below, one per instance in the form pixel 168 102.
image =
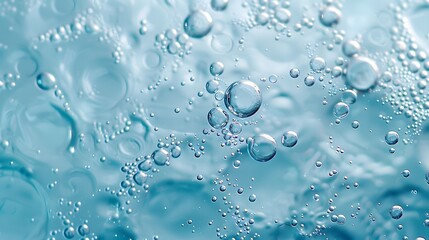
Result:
pixel 214 119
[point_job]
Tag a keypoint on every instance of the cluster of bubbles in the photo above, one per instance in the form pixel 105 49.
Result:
pixel 174 42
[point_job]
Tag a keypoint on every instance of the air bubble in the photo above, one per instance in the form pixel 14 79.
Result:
pixel 391 138
pixel 212 86
pixel 396 212
pixel 289 139
pixel 69 232
pixel 176 152
pixel 216 68
pixel 294 73
pixel 160 157
pixel 341 110
pixel 198 24
pixel 351 48
pixel 362 73
pixel 219 5
pixel 252 198
pixel 46 81
pixel 217 118
pixel 235 128
pixel 309 81
pixel 330 16
pixel 317 64
pixel 243 98
pixel 262 147
pixel 349 97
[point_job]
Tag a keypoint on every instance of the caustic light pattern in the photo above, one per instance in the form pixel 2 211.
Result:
pixel 214 119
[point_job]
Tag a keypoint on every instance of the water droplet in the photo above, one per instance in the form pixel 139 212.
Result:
pixel 355 124
pixel 243 98
pixel 391 138
pixel 289 139
pixel 46 81
pixel 217 118
pixel 261 147
pixel 198 24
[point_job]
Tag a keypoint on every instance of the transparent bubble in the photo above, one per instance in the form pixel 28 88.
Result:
pixel 243 98
pixel 341 110
pixel 396 212
pixel 216 68
pixel 273 78
pixel 294 72
pixel 283 15
pixel 330 16
pixel 289 139
pixel 46 81
pixel 387 76
pixel 176 152
pixel 317 64
pixel 309 81
pixel 236 163
pixel 362 73
pixel 217 118
pixel 349 97
pixel 262 147
pixel 160 157
pixel 341 219
pixel 83 229
pixel 198 24
pixel 69 232
pixel 262 18
pixel 219 5
pixel 391 138
pixel 406 173
pixel 355 124
pixel 173 47
pixel 252 198
pixel 212 86
pixel 146 165
pixel 219 95
pixel 351 48
pixel 235 128
pixel 140 178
